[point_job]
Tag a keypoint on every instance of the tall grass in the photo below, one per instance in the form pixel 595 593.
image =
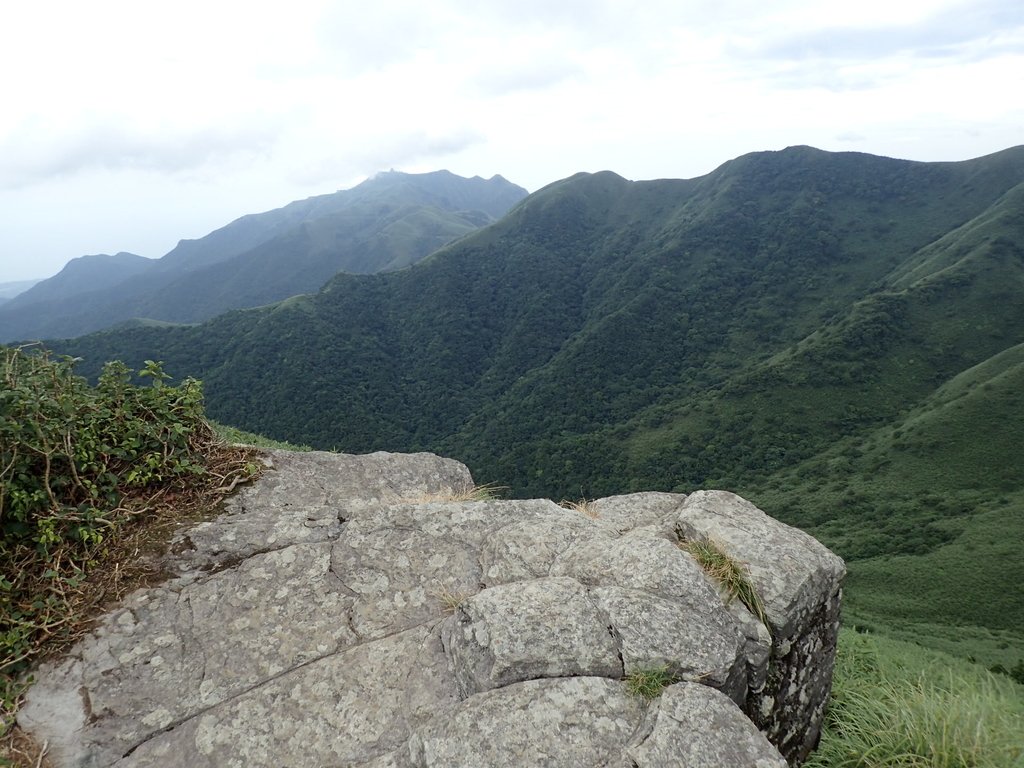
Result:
pixel 728 572
pixel 897 705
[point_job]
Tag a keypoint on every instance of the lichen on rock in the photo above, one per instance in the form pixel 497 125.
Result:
pixel 342 613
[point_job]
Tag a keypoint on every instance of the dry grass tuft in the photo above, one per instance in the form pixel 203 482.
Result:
pixel 583 506
pixel 486 492
pixel 19 750
pixel 451 601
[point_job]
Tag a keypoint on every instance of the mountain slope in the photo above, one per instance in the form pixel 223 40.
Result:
pixel 9 290
pixel 385 223
pixel 81 276
pixel 440 189
pixel 929 510
pixel 753 329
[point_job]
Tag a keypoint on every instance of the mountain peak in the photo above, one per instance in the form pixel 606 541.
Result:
pixel 82 275
pixel 386 222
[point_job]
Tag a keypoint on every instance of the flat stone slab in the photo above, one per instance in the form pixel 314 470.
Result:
pixel 566 722
pixel 347 611
pixel 549 627
pixel 688 723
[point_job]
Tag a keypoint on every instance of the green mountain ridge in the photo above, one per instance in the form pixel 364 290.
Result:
pixel 385 223
pixel 81 276
pixel 791 326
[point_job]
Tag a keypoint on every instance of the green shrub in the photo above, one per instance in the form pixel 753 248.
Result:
pixel 77 464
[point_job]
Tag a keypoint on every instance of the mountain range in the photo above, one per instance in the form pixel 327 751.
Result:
pixel 9 290
pixel 837 336
pixel 385 223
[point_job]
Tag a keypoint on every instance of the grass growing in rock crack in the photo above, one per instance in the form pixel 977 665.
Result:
pixel 451 601
pixel 649 683
pixel 486 492
pixel 583 506
pixel 728 572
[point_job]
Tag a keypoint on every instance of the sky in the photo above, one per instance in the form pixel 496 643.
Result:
pixel 127 125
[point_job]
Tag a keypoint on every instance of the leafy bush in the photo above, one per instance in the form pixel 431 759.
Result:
pixel 78 464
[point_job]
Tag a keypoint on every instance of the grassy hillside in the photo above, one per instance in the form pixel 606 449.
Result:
pixel 833 335
pixel 894 704
pixel 929 512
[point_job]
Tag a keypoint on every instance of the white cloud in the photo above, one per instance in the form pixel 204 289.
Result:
pixel 193 113
pixel 888 46
pixel 415 148
pixel 40 151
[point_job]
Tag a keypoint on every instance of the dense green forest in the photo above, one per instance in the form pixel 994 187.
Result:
pixel 835 336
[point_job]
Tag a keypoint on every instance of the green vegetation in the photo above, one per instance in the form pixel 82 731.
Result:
pixel 834 336
pixel 241 437
pixel 81 469
pixel 928 512
pixel 727 572
pixel 896 704
pixel 649 683
pixel 84 465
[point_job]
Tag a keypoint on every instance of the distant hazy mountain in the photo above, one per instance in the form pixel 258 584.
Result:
pixel 836 336
pixel 11 289
pixel 81 276
pixel 385 223
pixel 379 196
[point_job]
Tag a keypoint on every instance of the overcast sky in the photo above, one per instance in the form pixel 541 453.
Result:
pixel 126 126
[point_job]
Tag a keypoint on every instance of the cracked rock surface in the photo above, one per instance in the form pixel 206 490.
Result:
pixel 341 612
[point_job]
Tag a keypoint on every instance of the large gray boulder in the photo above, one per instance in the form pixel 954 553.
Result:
pixel 346 611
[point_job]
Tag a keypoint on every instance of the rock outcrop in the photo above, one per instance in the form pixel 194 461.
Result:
pixel 343 611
